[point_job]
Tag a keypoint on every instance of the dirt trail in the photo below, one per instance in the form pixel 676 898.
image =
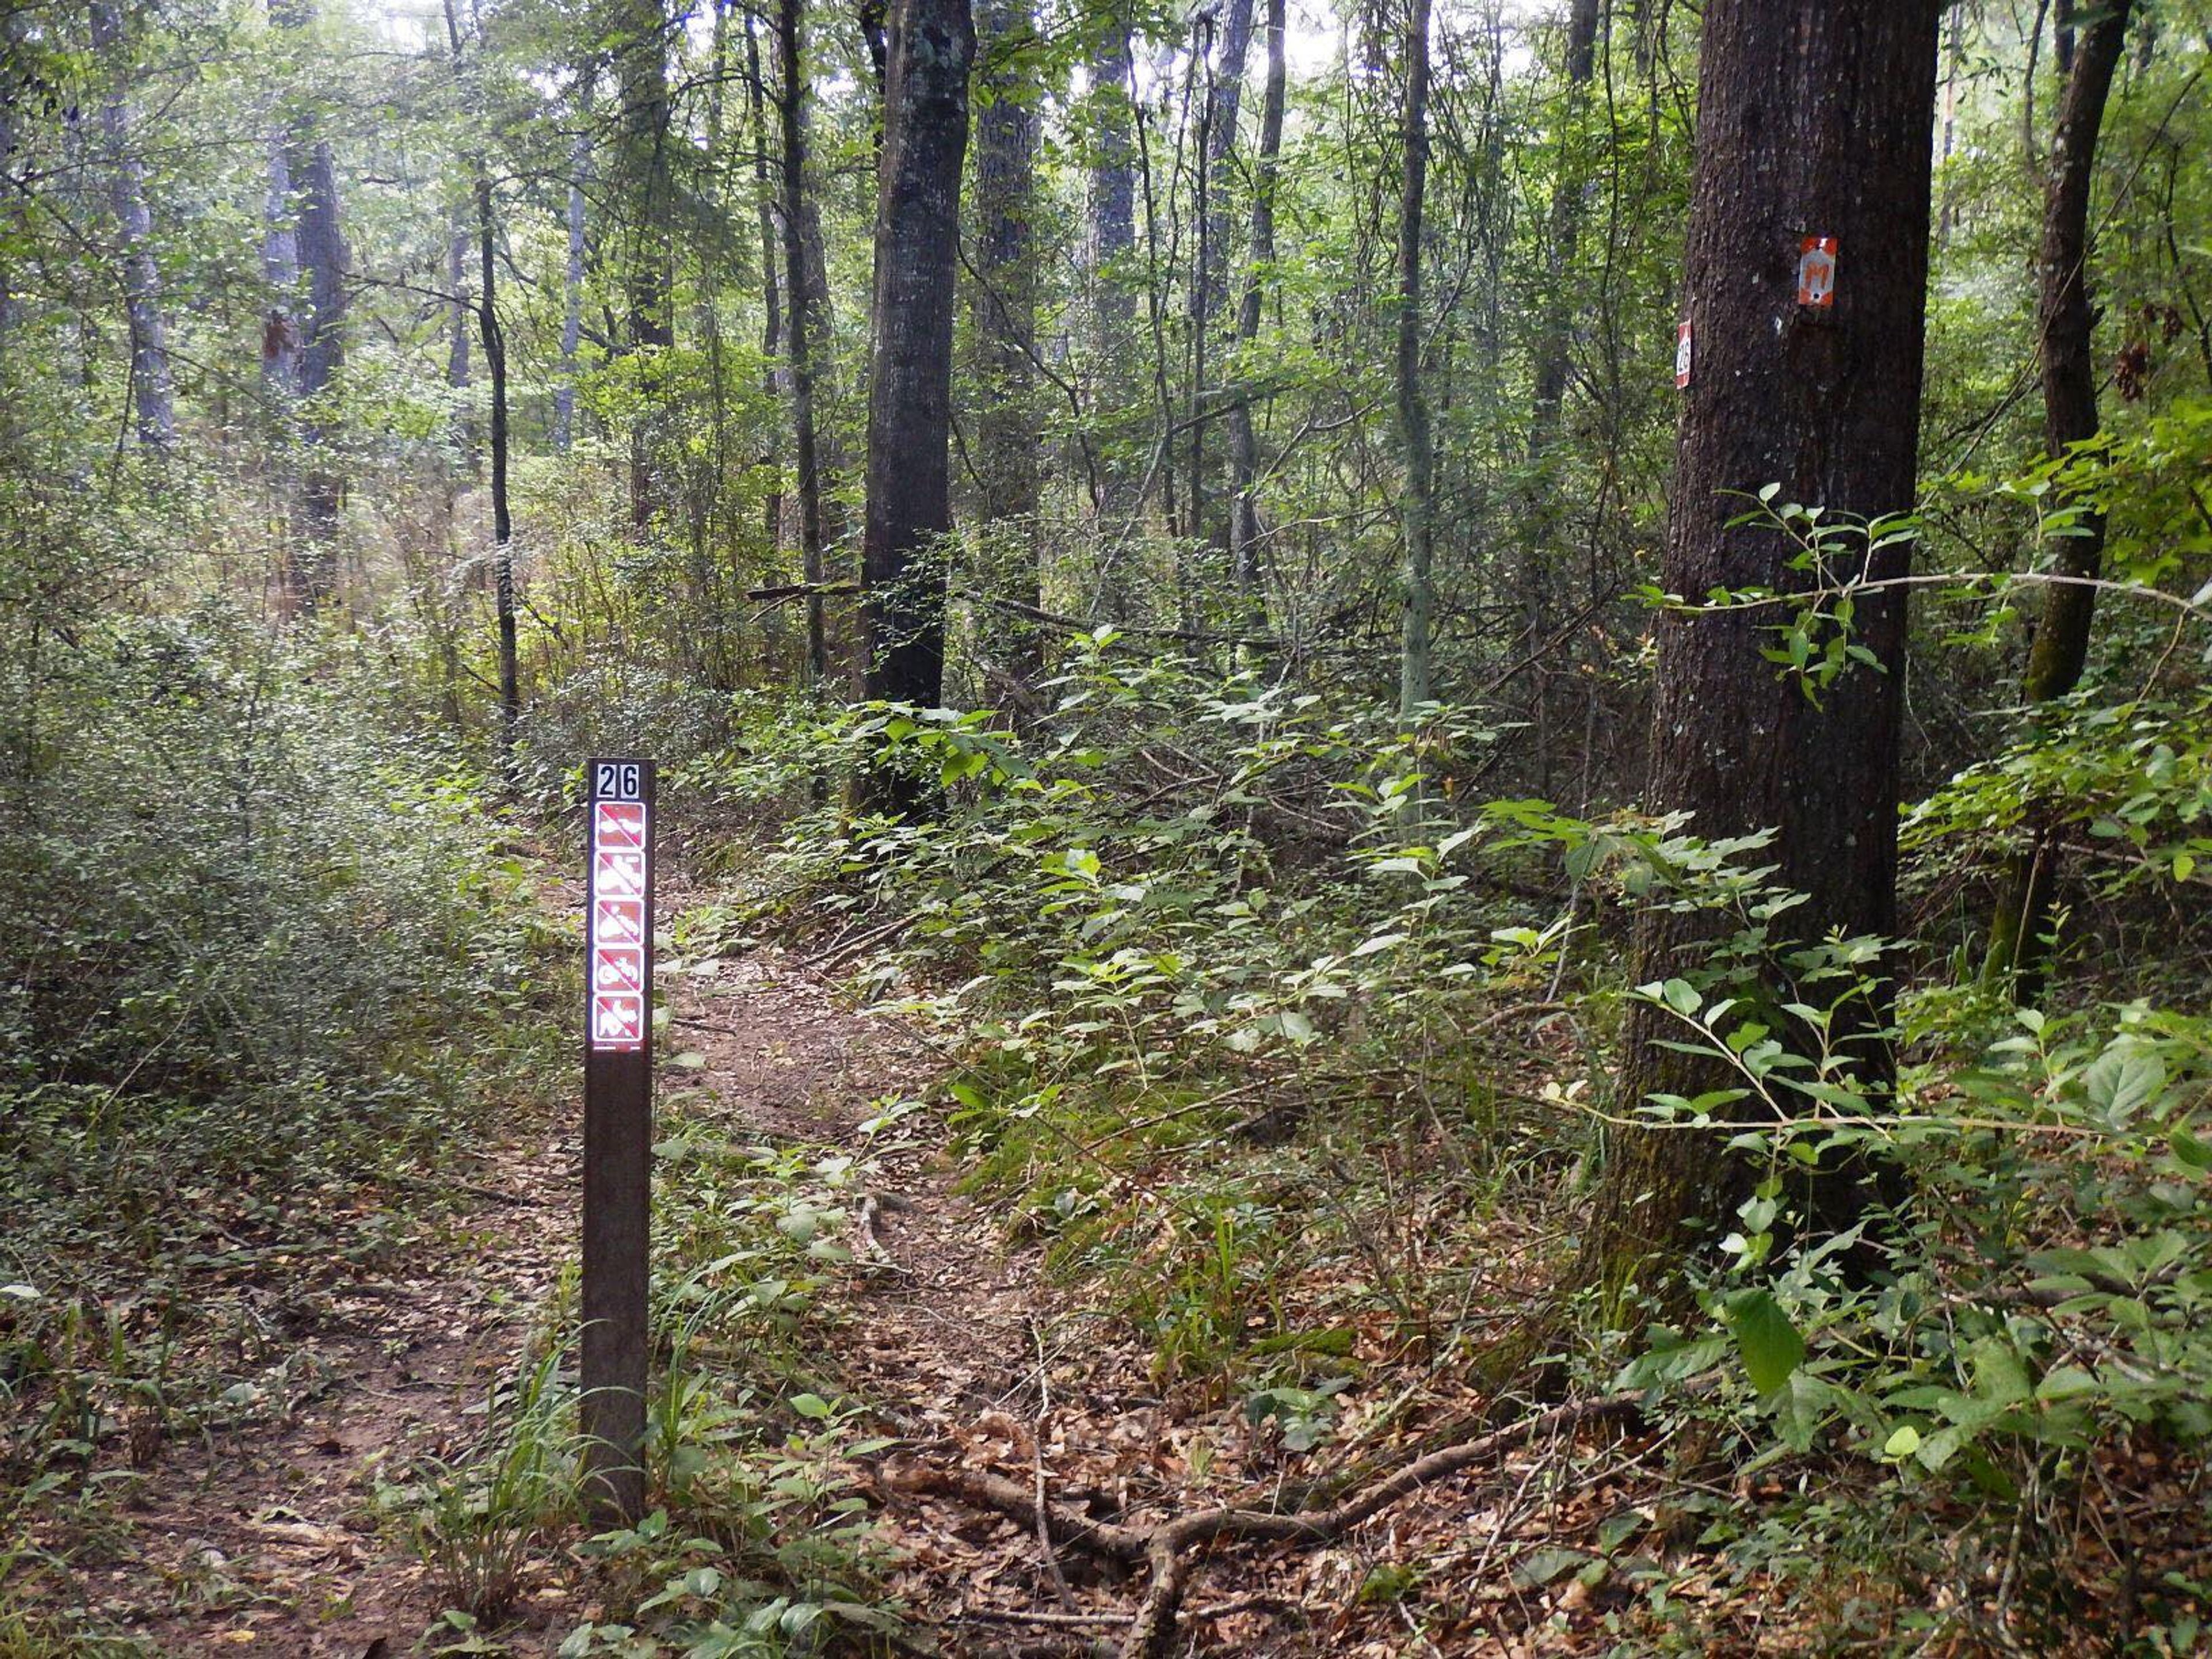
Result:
pixel 267 1539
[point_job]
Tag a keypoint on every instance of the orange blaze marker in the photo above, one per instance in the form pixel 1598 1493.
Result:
pixel 1816 272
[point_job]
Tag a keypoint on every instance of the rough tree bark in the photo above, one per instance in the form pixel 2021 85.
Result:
pixel 1416 443
pixel 933 43
pixel 151 398
pixel 807 331
pixel 1816 118
pixel 1244 457
pixel 1004 321
pixel 2067 320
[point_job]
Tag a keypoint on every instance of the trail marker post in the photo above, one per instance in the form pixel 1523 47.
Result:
pixel 617 1131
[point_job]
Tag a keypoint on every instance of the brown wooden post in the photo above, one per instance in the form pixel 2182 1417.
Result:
pixel 618 1132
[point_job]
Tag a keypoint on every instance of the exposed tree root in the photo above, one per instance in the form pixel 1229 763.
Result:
pixel 1168 1550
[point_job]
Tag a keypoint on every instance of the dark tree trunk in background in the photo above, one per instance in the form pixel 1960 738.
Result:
pixel 141 278
pixel 1007 449
pixel 805 281
pixel 458 312
pixel 933 42
pixel 1209 286
pixel 468 83
pixel 1816 118
pixel 11 197
pixel 502 522
pixel 303 337
pixel 1244 457
pixel 1113 304
pixel 649 280
pixel 322 353
pixel 571 297
pixel 1416 443
pixel 1542 508
pixel 2067 320
pixel 774 380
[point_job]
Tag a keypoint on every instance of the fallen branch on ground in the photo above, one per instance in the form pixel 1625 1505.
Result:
pixel 1166 1550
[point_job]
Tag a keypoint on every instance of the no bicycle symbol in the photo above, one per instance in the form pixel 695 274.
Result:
pixel 618 916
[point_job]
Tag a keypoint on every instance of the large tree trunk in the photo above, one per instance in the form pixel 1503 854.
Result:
pixel 1244 457
pixel 1816 118
pixel 806 282
pixel 933 43
pixel 142 279
pixel 2070 418
pixel 1006 337
pixel 1416 443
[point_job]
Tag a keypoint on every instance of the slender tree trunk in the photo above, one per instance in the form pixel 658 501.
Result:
pixel 1113 305
pixel 774 381
pixel 572 296
pixel 1244 458
pixel 806 282
pixel 303 347
pixel 649 280
pixel 1814 117
pixel 933 43
pixel 1209 286
pixel 502 522
pixel 1541 512
pixel 11 200
pixel 469 88
pixel 141 278
pixel 1417 445
pixel 2067 320
pixel 458 311
pixel 1004 321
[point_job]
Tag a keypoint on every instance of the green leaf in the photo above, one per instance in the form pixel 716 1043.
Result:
pixel 1541 1566
pixel 1765 1341
pixel 2124 1079
pixel 812 1406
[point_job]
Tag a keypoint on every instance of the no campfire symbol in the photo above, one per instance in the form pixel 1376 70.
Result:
pixel 620 927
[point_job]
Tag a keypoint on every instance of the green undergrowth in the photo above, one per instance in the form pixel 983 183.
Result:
pixel 755 1542
pixel 276 970
pixel 1296 1051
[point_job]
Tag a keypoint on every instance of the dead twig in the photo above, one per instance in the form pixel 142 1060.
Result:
pixel 1168 1550
pixel 1036 1460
